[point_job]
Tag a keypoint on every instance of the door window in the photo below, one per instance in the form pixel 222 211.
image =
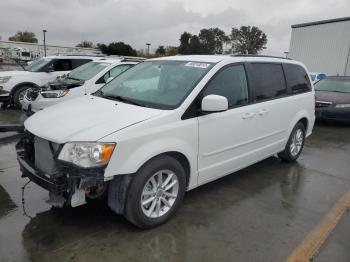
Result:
pixel 116 71
pixel 62 65
pixel 297 79
pixel 230 83
pixel 268 81
pixel 78 62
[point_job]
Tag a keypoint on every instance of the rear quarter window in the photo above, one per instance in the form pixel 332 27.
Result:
pixel 297 79
pixel 268 81
pixel 78 62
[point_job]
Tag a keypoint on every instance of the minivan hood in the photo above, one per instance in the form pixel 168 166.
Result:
pixel 88 118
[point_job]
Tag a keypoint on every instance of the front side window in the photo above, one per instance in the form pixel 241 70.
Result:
pixel 116 71
pixel 87 71
pixel 333 85
pixel 37 65
pixel 268 81
pixel 157 84
pixel 297 79
pixel 230 83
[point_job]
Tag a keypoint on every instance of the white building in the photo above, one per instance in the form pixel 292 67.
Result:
pixel 323 46
pixel 13 49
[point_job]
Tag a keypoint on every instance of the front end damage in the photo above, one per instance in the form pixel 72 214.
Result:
pixel 67 184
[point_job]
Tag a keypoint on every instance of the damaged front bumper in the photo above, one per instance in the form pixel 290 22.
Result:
pixel 67 183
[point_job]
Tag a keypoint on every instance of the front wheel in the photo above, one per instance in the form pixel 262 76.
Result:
pixel 18 96
pixel 295 144
pixel 156 192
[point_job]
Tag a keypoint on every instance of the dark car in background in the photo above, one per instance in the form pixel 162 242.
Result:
pixel 333 99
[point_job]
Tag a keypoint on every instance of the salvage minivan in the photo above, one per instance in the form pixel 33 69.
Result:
pixel 166 126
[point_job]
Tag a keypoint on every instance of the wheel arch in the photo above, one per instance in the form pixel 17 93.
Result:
pixel 16 87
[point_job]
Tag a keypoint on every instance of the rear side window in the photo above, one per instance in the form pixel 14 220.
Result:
pixel 78 62
pixel 297 78
pixel 268 81
pixel 62 65
pixel 230 83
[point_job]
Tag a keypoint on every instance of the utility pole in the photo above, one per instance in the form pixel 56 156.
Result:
pixel 148 45
pixel 44 31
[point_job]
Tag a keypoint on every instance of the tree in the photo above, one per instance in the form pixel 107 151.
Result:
pixel 86 44
pixel 171 50
pixel 196 46
pixel 24 36
pixel 184 47
pixel 248 40
pixel 160 51
pixel 117 48
pixel 212 40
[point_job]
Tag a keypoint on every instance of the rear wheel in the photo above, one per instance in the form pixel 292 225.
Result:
pixel 18 96
pixel 156 192
pixel 295 144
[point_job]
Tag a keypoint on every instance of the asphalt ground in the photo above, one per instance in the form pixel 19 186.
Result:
pixel 267 212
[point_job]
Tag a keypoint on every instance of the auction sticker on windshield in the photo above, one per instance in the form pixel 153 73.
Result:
pixel 198 65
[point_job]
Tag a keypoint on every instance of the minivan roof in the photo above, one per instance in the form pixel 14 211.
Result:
pixel 219 58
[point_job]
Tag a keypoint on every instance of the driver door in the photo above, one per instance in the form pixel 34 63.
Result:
pixel 227 139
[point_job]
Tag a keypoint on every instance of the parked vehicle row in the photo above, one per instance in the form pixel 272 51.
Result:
pixel 333 99
pixel 83 80
pixel 13 84
pixel 166 126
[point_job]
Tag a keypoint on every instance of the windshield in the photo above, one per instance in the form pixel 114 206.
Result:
pixel 87 71
pixel 157 84
pixel 333 85
pixel 37 65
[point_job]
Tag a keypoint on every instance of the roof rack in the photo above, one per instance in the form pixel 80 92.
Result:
pixel 251 55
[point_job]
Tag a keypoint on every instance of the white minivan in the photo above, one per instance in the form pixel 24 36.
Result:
pixel 166 126
pixel 83 80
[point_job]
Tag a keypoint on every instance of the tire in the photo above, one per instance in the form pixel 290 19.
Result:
pixel 145 187
pixel 295 144
pixel 4 105
pixel 17 96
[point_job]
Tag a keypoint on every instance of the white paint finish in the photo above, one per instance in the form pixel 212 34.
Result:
pixel 322 48
pixel 214 103
pixel 88 118
pixel 215 144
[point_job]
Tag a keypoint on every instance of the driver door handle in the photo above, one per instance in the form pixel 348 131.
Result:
pixel 263 112
pixel 248 115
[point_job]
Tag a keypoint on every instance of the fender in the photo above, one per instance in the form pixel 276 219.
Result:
pixel 300 115
pixel 135 159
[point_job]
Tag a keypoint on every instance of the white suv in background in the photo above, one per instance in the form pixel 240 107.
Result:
pixel 13 84
pixel 83 80
pixel 166 126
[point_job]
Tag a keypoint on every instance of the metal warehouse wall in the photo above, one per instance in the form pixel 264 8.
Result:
pixel 323 48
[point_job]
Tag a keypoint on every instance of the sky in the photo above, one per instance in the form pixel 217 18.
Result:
pixel 160 22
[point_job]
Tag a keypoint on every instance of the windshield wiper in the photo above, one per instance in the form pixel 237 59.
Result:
pixel 119 98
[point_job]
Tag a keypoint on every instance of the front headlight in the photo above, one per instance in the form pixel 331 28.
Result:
pixel 54 94
pixel 87 154
pixel 4 79
pixel 342 106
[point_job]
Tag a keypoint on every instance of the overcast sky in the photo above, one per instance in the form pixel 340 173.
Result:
pixel 160 22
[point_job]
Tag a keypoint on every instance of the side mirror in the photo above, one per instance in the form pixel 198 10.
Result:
pixel 214 103
pixel 50 69
pixel 109 79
